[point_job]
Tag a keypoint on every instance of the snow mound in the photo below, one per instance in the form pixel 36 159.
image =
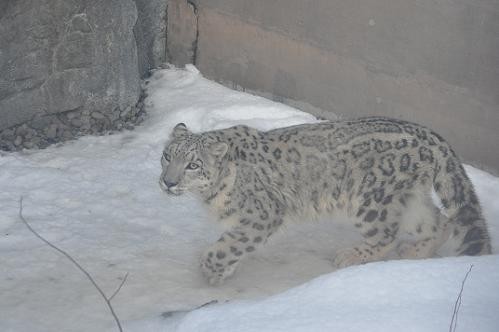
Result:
pixel 391 296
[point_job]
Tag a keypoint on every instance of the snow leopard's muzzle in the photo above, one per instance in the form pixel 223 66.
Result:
pixel 170 188
pixel 171 183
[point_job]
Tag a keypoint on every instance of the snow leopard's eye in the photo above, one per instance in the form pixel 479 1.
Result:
pixel 166 156
pixel 192 166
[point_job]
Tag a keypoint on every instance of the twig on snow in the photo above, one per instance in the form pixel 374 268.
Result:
pixel 72 260
pixel 119 288
pixel 457 305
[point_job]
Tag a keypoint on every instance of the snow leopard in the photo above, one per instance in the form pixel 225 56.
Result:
pixel 380 172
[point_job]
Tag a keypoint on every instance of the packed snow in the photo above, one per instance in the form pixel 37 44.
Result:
pixel 98 199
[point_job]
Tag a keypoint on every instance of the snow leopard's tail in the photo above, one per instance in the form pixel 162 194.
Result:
pixel 466 226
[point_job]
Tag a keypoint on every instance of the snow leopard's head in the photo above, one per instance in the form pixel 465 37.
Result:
pixel 191 162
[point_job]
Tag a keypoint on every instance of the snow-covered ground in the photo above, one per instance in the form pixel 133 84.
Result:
pixel 98 198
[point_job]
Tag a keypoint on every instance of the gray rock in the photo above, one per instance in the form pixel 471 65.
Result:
pixel 64 55
pixel 39 121
pixel 66 134
pixel 76 123
pixel 51 131
pixel 21 131
pixel 29 145
pixel 69 67
pixel 8 134
pixel 97 115
pixel 150 34
pixel 18 141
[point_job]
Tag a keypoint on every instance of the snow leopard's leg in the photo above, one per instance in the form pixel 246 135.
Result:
pixel 423 230
pixel 258 221
pixel 379 219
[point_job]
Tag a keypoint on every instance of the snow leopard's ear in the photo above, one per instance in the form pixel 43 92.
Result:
pixel 219 149
pixel 180 130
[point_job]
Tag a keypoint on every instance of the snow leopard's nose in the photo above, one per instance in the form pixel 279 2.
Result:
pixel 170 184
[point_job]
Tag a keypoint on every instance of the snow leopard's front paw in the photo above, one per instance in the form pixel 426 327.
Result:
pixel 216 266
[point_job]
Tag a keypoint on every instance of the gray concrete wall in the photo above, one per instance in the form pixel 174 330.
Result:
pixel 431 61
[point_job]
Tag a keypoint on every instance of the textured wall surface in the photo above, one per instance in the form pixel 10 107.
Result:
pixel 182 32
pixel 60 55
pixel 434 62
pixel 71 67
pixel 150 34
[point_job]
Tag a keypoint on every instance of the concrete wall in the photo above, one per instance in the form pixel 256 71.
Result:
pixel 431 61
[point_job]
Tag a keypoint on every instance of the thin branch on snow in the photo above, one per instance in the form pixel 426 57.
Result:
pixel 119 288
pixel 457 305
pixel 108 301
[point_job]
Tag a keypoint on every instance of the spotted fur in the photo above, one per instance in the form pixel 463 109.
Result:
pixel 379 171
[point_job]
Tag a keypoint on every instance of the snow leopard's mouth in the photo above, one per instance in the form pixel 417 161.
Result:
pixel 174 191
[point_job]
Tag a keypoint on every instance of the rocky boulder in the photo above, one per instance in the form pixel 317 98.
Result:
pixel 67 67
pixel 150 34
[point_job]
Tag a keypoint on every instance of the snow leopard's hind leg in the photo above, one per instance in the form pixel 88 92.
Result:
pixel 378 219
pixel 405 222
